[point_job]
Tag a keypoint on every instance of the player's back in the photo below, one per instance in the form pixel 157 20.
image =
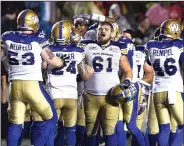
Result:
pixel 165 57
pixel 64 78
pixel 24 55
pixel 105 61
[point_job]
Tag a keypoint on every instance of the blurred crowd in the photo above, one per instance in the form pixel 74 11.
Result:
pixel 141 17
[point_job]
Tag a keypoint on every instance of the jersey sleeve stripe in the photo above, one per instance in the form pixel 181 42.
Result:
pixel 123 51
pixel 181 50
pixel 44 44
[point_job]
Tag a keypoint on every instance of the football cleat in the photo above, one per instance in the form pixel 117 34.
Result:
pixel 28 20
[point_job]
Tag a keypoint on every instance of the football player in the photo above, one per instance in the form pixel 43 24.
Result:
pixel 62 85
pixel 24 50
pixel 167 57
pixel 137 61
pixel 105 57
pixel 28 119
pixel 153 127
pixel 88 32
pixel 83 23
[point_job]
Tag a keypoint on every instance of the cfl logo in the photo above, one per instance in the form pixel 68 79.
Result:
pixel 35 19
pixel 174 27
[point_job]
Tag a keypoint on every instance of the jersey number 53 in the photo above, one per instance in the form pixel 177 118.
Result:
pixel 14 61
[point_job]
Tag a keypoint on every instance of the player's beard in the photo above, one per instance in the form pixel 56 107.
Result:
pixel 103 41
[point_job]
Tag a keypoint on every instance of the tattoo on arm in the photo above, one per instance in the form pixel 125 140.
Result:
pixel 82 67
pixel 50 53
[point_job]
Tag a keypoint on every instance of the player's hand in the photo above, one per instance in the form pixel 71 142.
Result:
pixel 79 79
pixel 82 18
pixel 142 104
pixel 65 60
pixel 44 65
pixel 125 84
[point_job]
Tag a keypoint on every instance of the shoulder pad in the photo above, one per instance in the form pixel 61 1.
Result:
pixel 140 48
pixel 6 34
pixel 42 39
pixel 178 43
pixel 152 43
pixel 93 26
pixel 125 40
pixel 77 48
pixel 84 43
pixel 122 46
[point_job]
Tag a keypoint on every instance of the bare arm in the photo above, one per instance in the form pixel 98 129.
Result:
pixel 85 70
pixel 126 69
pixel 50 58
pixel 109 19
pixel 149 73
pixel 3 88
pixel 101 18
pixel 182 72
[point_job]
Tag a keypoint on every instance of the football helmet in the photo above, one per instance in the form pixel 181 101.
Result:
pixel 122 95
pixel 28 20
pixel 170 28
pixel 61 32
pixel 116 31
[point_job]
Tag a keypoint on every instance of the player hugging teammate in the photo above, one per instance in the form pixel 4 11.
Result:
pixel 99 83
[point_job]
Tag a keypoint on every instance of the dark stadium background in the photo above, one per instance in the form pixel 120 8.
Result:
pixel 142 17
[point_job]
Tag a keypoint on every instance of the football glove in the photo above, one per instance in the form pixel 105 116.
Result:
pixel 125 84
pixel 82 18
pixel 142 104
pixel 65 60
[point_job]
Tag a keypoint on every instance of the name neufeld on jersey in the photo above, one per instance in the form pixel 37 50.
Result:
pixel 21 47
pixel 70 55
pixel 163 52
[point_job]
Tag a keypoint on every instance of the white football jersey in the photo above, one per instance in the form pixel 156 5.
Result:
pixel 24 55
pixel 61 81
pixel 138 63
pixel 90 35
pixel 105 61
pixel 166 57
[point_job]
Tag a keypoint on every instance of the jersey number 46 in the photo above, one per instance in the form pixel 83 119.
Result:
pixel 169 69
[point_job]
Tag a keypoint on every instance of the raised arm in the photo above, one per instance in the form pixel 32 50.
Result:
pixel 50 58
